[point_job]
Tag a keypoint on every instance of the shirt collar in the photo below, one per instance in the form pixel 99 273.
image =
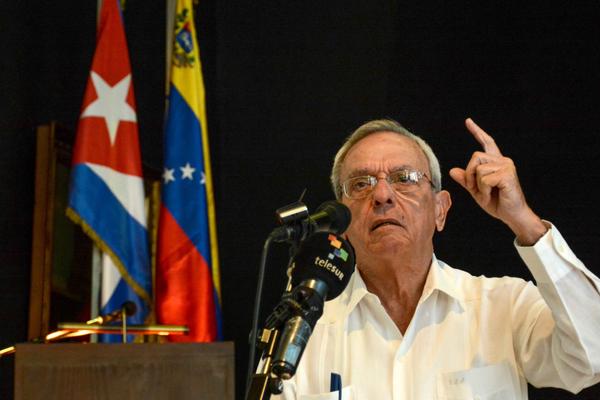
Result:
pixel 439 278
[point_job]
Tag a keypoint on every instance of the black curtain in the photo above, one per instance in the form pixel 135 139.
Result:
pixel 287 82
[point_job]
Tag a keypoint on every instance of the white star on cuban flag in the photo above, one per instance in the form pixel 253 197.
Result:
pixel 111 104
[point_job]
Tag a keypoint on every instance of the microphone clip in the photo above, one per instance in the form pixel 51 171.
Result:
pixel 298 225
pixel 292 212
pixel 293 221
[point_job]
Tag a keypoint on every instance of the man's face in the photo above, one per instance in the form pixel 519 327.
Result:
pixel 387 223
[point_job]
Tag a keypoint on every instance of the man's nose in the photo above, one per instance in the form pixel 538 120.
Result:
pixel 383 192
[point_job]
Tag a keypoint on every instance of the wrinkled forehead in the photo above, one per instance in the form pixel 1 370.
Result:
pixel 383 151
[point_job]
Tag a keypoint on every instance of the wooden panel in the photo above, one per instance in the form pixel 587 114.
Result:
pixel 41 252
pixel 199 371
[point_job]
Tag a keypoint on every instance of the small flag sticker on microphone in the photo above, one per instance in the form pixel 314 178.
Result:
pixel 339 252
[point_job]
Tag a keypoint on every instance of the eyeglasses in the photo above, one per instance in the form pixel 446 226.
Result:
pixel 402 181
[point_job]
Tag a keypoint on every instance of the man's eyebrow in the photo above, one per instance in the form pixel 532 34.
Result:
pixel 360 172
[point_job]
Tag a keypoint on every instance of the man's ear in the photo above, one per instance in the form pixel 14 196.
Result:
pixel 442 205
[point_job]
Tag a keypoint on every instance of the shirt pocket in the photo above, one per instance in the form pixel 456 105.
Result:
pixel 492 382
pixel 346 395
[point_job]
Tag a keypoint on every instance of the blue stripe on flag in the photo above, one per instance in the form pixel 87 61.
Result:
pixel 115 226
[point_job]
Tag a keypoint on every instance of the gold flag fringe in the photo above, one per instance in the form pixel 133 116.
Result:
pixel 105 248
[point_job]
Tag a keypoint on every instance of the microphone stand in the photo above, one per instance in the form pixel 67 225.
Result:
pixel 266 380
pixel 124 324
pixel 263 383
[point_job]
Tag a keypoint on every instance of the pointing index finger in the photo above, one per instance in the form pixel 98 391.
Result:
pixel 485 140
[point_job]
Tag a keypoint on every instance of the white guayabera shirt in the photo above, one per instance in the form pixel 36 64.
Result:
pixel 470 337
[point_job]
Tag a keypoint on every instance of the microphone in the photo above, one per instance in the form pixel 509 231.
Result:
pixel 321 270
pixel 128 307
pixel 331 216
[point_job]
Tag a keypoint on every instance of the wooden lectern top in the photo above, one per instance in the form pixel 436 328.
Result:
pixel 199 371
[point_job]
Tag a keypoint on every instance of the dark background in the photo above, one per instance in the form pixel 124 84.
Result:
pixel 286 82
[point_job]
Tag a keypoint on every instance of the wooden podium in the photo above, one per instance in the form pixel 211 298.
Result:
pixel 199 371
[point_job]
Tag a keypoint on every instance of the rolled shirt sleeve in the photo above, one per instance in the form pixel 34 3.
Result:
pixel 557 338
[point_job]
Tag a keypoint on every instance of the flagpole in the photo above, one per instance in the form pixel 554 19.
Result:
pixel 171 7
pixel 95 292
pixel 96 252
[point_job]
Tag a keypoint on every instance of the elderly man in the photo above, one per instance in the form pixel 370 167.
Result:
pixel 408 326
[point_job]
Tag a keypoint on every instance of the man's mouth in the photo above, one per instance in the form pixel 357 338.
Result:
pixel 384 222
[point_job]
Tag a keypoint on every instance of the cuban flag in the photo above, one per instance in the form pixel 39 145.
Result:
pixel 107 191
pixel 187 273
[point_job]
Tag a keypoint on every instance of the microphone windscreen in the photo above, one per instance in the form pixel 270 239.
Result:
pixel 339 216
pixel 130 308
pixel 327 257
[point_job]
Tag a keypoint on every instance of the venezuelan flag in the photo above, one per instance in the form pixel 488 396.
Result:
pixel 187 272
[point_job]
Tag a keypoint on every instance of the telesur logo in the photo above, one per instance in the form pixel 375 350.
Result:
pixel 337 252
